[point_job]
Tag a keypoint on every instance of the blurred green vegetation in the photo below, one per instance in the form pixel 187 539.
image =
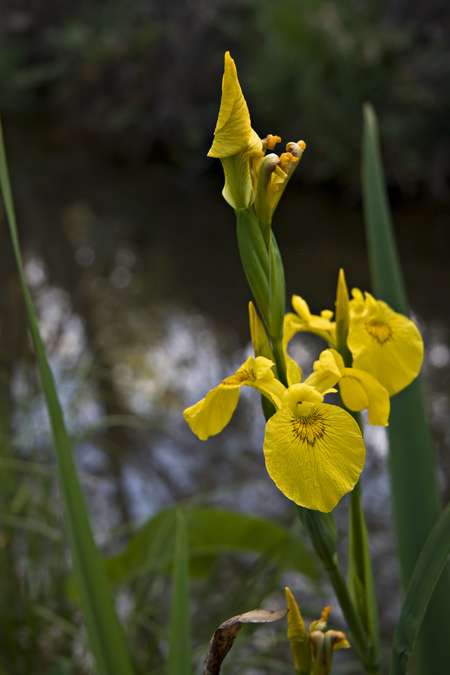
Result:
pixel 142 77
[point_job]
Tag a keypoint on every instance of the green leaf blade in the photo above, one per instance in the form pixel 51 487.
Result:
pixel 430 565
pixel 104 631
pixel 415 494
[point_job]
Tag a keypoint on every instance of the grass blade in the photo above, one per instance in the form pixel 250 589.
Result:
pixel 179 662
pixel 415 495
pixel 429 567
pixel 104 631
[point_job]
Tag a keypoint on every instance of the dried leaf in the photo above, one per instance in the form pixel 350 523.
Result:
pixel 222 640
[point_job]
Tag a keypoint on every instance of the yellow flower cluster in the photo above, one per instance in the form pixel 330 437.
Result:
pixel 314 451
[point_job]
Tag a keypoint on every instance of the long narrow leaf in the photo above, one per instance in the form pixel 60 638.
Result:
pixel 179 648
pixel 415 494
pixel 104 631
pixel 429 567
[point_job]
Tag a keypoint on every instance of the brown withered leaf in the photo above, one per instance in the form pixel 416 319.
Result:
pixel 222 640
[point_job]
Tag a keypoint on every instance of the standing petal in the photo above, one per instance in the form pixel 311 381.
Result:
pixel 233 128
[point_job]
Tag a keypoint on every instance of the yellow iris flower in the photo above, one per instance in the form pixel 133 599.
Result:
pixel 241 151
pixel 210 415
pixel 383 343
pixel 314 451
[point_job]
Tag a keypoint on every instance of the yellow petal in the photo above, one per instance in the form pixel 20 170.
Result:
pixel 360 390
pixel 296 625
pixel 293 371
pixel 233 128
pixel 258 374
pixel 315 456
pixel 303 320
pixel 266 383
pixel 384 343
pixel 328 371
pixel 299 394
pixel 297 635
pixel 210 415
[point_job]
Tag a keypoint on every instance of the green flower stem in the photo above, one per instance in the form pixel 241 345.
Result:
pixel 360 574
pixel 321 530
pixel 359 637
pixel 280 361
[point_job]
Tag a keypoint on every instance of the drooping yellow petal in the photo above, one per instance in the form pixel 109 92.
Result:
pixel 384 343
pixel 314 455
pixel 210 415
pixel 360 390
pixel 233 128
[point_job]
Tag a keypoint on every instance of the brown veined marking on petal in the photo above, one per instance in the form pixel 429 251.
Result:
pixel 309 429
pixel 242 375
pixel 382 332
